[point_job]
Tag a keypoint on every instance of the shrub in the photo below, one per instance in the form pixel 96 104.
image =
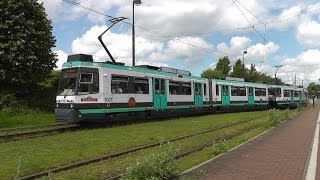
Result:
pixel 219 148
pixel 157 166
pixel 274 117
pixel 299 107
pixel 286 114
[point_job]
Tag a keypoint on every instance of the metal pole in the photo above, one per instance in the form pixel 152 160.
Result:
pixel 243 64
pixel 133 38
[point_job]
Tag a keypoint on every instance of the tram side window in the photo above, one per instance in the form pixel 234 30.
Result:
pixel 141 85
pixel 174 87
pixel 88 83
pixel 260 92
pixel 119 84
pixel 217 90
pixel 238 91
pixel 286 93
pixel 205 89
pixel 186 88
pixel 296 93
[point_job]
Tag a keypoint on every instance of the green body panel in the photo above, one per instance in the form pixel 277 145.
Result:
pixel 159 93
pixel 137 109
pixel 198 99
pixel 250 95
pixel 225 94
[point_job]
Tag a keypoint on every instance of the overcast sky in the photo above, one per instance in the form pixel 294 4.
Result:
pixel 193 35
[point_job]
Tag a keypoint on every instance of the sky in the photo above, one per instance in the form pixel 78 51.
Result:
pixel 193 35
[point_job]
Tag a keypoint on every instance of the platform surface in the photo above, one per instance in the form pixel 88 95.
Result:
pixel 281 153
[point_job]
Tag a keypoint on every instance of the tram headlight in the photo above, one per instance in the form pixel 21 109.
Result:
pixel 71 106
pixel 57 105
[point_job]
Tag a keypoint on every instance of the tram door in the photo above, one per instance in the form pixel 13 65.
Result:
pixel 291 96
pixel 198 99
pixel 300 97
pixel 250 95
pixel 159 93
pixel 225 95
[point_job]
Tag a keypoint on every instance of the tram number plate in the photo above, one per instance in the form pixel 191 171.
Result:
pixel 109 99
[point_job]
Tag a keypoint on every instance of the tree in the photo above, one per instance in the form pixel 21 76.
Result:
pixel 223 66
pixel 212 74
pixel 26 42
pixel 313 90
pixel 237 69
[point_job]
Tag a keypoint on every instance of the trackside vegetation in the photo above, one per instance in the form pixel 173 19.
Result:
pixel 38 154
pixel 157 166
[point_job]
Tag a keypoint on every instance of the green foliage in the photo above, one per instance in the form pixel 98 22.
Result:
pixel 274 117
pixel 238 70
pixel 219 148
pixel 212 74
pixel 250 75
pixel 157 166
pixel 223 66
pixel 313 90
pixel 42 97
pixel 26 43
pixel 299 108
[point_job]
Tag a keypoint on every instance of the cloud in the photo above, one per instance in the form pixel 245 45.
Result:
pixel 256 53
pixel 237 45
pixel 305 66
pixel 308 33
pixel 118 44
pixel 62 58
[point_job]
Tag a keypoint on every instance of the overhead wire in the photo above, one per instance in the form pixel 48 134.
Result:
pixel 149 30
pixel 253 27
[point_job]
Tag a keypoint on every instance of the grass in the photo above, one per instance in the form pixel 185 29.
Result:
pixel 12 118
pixel 41 153
pixel 109 167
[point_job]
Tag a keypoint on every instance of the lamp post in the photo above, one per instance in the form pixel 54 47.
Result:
pixel 244 52
pixel 134 2
pixel 277 66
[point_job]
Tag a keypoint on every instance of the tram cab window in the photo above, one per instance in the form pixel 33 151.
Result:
pixel 88 83
pixel 296 94
pixel 119 84
pixel 79 81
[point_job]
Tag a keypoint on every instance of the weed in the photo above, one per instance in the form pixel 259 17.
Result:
pixel 274 117
pixel 157 166
pixel 286 114
pixel 219 148
pixel 18 169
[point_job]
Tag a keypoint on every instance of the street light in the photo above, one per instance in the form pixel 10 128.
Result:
pixel 244 52
pixel 277 66
pixel 138 3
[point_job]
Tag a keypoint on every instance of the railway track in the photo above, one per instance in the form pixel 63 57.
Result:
pixel 55 129
pixel 125 152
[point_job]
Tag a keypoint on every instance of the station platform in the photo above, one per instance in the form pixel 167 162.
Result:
pixel 288 151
